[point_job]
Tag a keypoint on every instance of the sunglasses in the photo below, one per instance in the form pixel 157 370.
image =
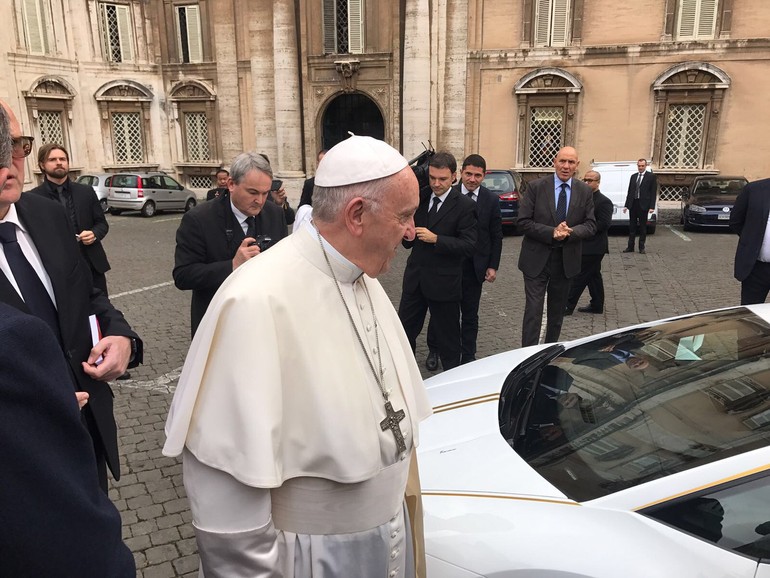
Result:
pixel 22 146
pixel 588 180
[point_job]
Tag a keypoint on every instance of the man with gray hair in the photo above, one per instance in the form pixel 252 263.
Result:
pixel 217 237
pixel 298 407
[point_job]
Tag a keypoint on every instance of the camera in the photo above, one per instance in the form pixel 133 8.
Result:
pixel 264 242
pixel 419 165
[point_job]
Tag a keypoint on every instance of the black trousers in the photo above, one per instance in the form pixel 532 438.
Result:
pixel 553 281
pixel 469 316
pixel 637 224
pixel 755 287
pixel 445 315
pixel 590 276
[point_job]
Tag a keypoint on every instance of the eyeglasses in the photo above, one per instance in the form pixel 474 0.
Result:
pixel 22 146
pixel 589 180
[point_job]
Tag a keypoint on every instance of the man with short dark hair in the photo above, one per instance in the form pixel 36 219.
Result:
pixel 221 188
pixel 216 238
pixel 640 202
pixel 483 266
pixel 445 227
pixel 82 206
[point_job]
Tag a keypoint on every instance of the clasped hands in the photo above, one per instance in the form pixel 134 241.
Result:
pixel 561 231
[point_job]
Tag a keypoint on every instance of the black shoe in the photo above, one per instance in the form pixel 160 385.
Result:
pixel 628 250
pixel 568 311
pixel 431 364
pixel 589 309
pixel 126 375
pixel 641 250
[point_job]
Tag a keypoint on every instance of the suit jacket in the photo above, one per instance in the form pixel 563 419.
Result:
pixel 216 193
pixel 307 192
pixel 489 245
pixel 55 518
pixel 537 220
pixel 599 244
pixel 206 242
pixel 648 191
pixel 749 220
pixel 89 216
pixel 76 299
pixel 436 268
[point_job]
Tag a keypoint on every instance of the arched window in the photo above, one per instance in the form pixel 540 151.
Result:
pixel 547 100
pixel 193 114
pixel 49 101
pixel 124 106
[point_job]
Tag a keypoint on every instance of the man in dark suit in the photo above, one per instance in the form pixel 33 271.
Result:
pixel 555 215
pixel 307 188
pixel 55 519
pixel 752 256
pixel 43 273
pixel 594 250
pixel 221 189
pixel 215 238
pixel 445 229
pixel 484 264
pixel 82 207
pixel 640 202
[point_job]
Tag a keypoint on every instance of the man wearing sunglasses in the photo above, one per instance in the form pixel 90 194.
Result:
pixel 43 273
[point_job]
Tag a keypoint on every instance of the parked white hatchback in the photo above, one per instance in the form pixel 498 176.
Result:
pixel 637 453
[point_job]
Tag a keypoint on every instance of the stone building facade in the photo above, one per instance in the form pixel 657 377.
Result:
pixel 183 85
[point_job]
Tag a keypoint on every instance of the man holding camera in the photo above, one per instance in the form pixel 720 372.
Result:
pixel 216 238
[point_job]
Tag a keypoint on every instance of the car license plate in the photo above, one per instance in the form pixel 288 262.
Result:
pixel 723 217
pixel 122 195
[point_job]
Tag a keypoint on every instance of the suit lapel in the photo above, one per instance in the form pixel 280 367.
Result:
pixel 449 202
pixel 551 189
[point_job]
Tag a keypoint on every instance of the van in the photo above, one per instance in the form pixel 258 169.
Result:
pixel 614 185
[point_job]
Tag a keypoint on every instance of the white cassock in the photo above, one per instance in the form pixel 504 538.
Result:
pixel 278 414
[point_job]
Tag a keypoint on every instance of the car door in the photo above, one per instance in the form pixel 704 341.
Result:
pixel 154 191
pixel 176 193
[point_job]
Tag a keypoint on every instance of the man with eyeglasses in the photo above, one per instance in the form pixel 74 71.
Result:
pixel 594 250
pixel 43 273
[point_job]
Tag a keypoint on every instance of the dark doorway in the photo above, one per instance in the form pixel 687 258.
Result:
pixel 356 113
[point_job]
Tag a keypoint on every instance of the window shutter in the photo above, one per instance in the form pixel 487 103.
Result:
pixel 707 19
pixel 355 26
pixel 542 22
pixel 124 32
pixel 34 20
pixel 560 23
pixel 329 27
pixel 686 21
pixel 194 34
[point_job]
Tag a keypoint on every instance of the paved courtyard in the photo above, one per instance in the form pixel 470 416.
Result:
pixel 680 273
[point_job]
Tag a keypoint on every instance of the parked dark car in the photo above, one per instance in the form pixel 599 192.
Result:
pixel 709 201
pixel 509 186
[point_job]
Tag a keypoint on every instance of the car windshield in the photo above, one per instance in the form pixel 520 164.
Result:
pixel 643 404
pixel 716 187
pixel 499 182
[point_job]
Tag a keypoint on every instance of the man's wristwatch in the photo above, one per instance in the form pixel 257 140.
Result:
pixel 133 350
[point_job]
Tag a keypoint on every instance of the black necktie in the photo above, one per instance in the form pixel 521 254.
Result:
pixel 32 289
pixel 469 194
pixel 250 227
pixel 65 197
pixel 561 207
pixel 638 184
pixel 433 210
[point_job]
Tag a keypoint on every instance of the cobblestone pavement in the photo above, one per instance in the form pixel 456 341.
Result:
pixel 680 273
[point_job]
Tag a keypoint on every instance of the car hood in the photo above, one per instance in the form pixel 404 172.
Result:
pixel 714 199
pixel 461 448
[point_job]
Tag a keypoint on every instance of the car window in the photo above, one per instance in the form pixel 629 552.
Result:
pixel 170 183
pixel 151 182
pixel 499 182
pixel 127 181
pixel 643 404
pixel 734 516
pixel 85 180
pixel 715 187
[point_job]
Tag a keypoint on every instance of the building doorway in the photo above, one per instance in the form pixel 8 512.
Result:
pixel 356 113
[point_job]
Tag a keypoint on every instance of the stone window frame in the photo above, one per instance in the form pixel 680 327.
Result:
pixel 51 94
pixel 689 83
pixel 34 27
pixel 125 96
pixel 574 30
pixel 194 96
pixel 545 87
pixel 356 37
pixel 125 45
pixel 722 28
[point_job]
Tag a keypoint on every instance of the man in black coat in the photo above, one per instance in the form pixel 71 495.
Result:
pixel 215 238
pixel 555 215
pixel 482 266
pixel 82 206
pixel 54 519
pixel 445 235
pixel 221 189
pixel 640 202
pixel 43 232
pixel 752 255
pixel 594 250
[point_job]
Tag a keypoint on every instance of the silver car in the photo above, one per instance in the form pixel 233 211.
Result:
pixel 99 182
pixel 148 193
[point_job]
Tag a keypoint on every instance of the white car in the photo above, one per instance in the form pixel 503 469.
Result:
pixel 637 453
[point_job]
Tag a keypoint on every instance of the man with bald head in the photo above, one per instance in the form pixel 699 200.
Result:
pixel 42 273
pixel 298 407
pixel 555 215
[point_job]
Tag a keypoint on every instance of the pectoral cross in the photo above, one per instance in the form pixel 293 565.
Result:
pixel 391 422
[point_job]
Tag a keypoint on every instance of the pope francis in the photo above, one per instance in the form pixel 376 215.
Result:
pixel 298 407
